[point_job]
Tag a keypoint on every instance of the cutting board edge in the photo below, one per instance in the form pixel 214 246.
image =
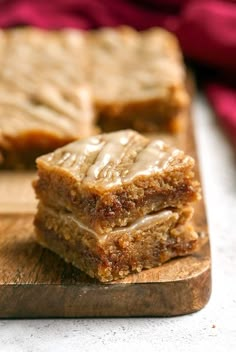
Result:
pixel 71 300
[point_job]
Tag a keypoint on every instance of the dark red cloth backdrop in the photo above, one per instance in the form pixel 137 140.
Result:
pixel 206 30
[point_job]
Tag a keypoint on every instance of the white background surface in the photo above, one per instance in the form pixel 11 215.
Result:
pixel 213 328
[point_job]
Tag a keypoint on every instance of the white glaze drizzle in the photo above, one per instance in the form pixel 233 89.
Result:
pixel 138 225
pixel 116 158
pixel 147 220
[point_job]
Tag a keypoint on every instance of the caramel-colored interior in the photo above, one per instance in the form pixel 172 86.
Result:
pixel 123 250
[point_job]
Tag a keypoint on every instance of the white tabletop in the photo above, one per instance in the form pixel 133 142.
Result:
pixel 214 327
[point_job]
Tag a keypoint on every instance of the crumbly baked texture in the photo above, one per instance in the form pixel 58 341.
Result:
pixel 138 79
pixel 44 102
pixel 133 80
pixel 148 242
pixel 112 179
pixel 116 203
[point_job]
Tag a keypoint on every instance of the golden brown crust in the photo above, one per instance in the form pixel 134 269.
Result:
pixel 134 79
pixel 32 127
pixel 121 252
pixel 146 81
pixel 116 203
pixel 112 179
pixel 42 104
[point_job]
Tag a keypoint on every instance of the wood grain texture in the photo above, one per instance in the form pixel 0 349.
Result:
pixel 16 193
pixel 36 283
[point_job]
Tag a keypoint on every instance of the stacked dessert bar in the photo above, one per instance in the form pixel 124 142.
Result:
pixel 116 203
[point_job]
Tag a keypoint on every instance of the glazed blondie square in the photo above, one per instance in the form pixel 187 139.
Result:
pixel 138 79
pixel 133 80
pixel 29 128
pixel 116 203
pixel 44 100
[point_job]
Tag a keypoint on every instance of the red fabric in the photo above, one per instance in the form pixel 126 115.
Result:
pixel 206 30
pixel 223 99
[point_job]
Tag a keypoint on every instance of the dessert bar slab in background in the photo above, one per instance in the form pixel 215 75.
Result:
pixel 138 79
pixel 36 283
pixel 55 86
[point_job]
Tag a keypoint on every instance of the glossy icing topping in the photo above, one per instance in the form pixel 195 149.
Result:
pixel 113 159
pixel 150 61
pixel 51 114
pixel 119 66
pixel 42 85
pixel 139 225
pixel 148 220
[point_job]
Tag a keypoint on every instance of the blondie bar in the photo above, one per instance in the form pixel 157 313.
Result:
pixel 133 80
pixel 116 203
pixel 43 102
pixel 138 79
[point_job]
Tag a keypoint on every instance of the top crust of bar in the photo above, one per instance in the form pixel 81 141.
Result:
pixel 53 84
pixel 120 65
pixel 22 116
pixel 42 104
pixel 112 160
pixel 138 67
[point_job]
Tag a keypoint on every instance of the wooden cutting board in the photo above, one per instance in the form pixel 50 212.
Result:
pixel 36 283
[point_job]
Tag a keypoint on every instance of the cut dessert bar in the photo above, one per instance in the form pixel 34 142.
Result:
pixel 135 79
pixel 112 179
pixel 138 79
pixel 43 102
pixel 29 129
pixel 148 242
pixel 116 203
